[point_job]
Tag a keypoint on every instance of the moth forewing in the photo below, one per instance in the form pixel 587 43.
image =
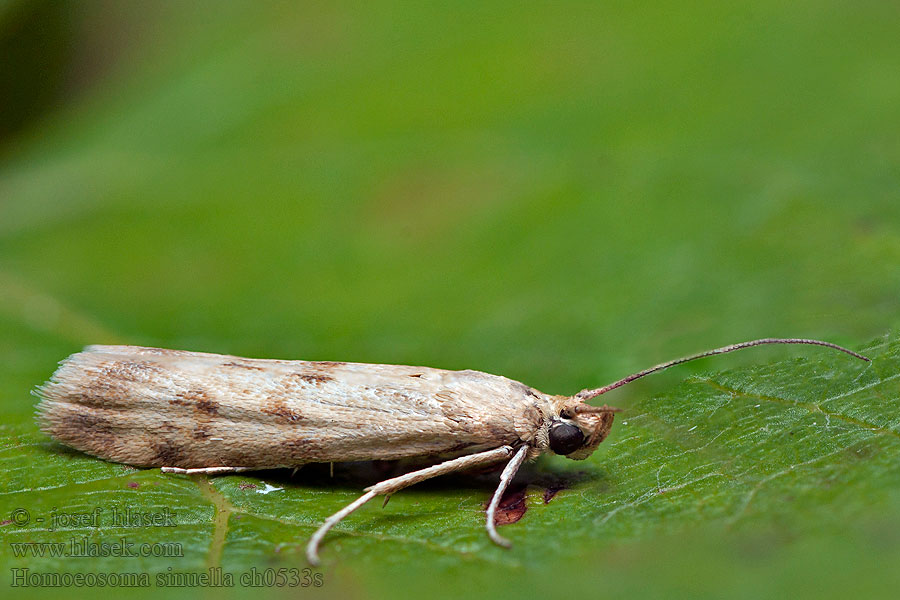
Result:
pixel 163 408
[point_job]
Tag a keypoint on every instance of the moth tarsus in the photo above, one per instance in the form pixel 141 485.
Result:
pixel 205 470
pixel 197 413
pixel 509 471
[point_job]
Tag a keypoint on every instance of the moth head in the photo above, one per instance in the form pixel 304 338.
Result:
pixel 576 429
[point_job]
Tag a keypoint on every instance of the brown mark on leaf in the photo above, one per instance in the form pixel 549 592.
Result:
pixel 246 486
pixel 861 451
pixel 512 506
pixel 134 485
pixel 551 491
pixel 239 365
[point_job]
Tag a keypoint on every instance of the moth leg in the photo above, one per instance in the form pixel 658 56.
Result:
pixel 205 470
pixel 508 473
pixel 389 486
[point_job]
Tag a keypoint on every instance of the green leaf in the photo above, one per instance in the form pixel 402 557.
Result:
pixel 753 456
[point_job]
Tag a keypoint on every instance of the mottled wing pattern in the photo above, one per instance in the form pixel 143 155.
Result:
pixel 155 407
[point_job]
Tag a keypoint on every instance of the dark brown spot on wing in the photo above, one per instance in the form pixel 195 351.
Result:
pixel 240 365
pixel 452 415
pixel 102 391
pixel 208 406
pixel 167 427
pixel 168 454
pixel 192 396
pixel 526 390
pixel 315 378
pixel 90 422
pixel 327 364
pixel 197 398
pixel 278 408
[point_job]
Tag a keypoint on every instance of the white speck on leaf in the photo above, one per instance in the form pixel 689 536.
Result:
pixel 269 488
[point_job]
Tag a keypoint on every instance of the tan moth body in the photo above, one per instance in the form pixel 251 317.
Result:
pixel 195 412
pixel 166 408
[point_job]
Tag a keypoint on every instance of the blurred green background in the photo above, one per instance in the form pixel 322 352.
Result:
pixel 561 193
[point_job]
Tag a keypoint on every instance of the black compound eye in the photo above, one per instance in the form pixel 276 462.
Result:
pixel 565 438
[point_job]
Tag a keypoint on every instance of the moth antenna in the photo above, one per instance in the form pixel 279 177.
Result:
pixel 587 408
pixel 588 394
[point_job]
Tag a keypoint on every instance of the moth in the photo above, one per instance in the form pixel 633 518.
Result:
pixel 200 413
